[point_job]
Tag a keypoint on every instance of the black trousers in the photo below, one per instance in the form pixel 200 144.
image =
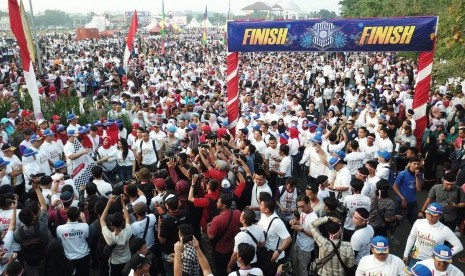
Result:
pixel 221 262
pixel 82 266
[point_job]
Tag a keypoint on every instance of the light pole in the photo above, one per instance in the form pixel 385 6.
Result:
pixel 39 59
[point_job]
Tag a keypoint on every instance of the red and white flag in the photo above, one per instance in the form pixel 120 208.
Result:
pixel 20 29
pixel 130 38
pixel 232 80
pixel 420 99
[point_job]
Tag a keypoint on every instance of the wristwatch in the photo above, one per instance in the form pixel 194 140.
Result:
pixel 279 251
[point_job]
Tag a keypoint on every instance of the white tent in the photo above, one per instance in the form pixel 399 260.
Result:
pixel 208 24
pixel 152 24
pixel 193 24
pixel 100 22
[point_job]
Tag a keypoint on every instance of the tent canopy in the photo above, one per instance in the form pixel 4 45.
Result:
pixel 193 24
pixel 99 22
pixel 152 24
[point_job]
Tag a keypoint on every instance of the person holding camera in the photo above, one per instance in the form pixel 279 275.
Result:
pixel 117 238
pixel 73 236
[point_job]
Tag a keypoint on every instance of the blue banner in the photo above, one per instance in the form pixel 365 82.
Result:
pixel 409 34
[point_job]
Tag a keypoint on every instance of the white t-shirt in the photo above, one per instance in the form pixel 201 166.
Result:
pixel 305 242
pixel 450 271
pixel 43 156
pixel 73 237
pixel 103 187
pixel 424 236
pixel 53 150
pixel 354 161
pixel 256 190
pixel 369 265
pixel 353 202
pixel 342 179
pixel 138 228
pixel 276 233
pixel 244 237
pixel 285 166
pixel 112 153
pixel 252 271
pixel 361 242
pixel 271 153
pixel 14 164
pixel 148 152
pixel 5 218
pixel 129 161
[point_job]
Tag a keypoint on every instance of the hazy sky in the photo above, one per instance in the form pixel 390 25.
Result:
pixel 154 6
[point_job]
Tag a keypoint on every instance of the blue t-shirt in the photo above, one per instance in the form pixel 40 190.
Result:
pixel 406 183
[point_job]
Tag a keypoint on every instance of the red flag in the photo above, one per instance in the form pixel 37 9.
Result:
pixel 233 90
pixel 17 28
pixel 420 99
pixel 130 38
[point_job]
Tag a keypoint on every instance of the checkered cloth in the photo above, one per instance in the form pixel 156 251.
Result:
pixel 190 262
pixel 82 167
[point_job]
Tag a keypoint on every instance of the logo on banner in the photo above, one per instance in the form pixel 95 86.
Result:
pixel 322 36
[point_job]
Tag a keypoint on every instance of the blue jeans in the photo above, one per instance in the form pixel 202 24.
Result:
pixel 125 173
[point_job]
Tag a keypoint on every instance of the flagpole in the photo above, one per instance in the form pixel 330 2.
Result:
pixel 36 41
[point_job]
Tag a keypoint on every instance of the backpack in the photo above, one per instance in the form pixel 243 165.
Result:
pixel 52 225
pixel 154 149
pixel 257 161
pixel 103 249
pixel 33 248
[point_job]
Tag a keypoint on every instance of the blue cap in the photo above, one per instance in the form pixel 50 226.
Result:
pixel 72 132
pixel 256 127
pixel 192 126
pixel 29 152
pixel 48 132
pixel 60 127
pixel 311 124
pixel 333 161
pixel 72 116
pixel 382 117
pixel 109 122
pixel 83 130
pixel 341 154
pixel 442 253
pixel 384 154
pixel 434 208
pixel 119 121
pixel 3 162
pixel 380 245
pixel 98 123
pixel 317 138
pixel 421 270
pixel 35 138
pixel 319 130
pixel 171 127
pixel 244 130
pixel 59 164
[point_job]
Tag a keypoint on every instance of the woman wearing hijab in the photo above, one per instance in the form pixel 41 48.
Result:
pixel 106 157
pixel 430 150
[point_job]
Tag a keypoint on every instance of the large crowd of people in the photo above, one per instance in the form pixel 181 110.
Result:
pixel 316 177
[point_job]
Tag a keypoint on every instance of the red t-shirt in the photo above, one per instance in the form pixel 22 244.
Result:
pixel 219 226
pixel 215 174
pixel 204 203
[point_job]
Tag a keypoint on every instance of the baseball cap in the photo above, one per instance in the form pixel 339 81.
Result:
pixel 333 161
pixel 137 261
pixel 35 138
pixel 384 154
pixel 72 132
pixel 41 121
pixel 56 117
pixel 66 196
pixel 26 113
pixel 434 208
pixel 321 179
pixel 7 146
pixel 442 253
pixel 3 162
pixel 60 127
pixel 380 245
pixel 341 154
pixel 48 132
pixel 59 164
pixel 159 183
pixel 29 152
pixel 316 139
pixel 226 186
pixel 421 270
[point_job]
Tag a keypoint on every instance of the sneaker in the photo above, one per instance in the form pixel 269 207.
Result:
pixel 394 241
